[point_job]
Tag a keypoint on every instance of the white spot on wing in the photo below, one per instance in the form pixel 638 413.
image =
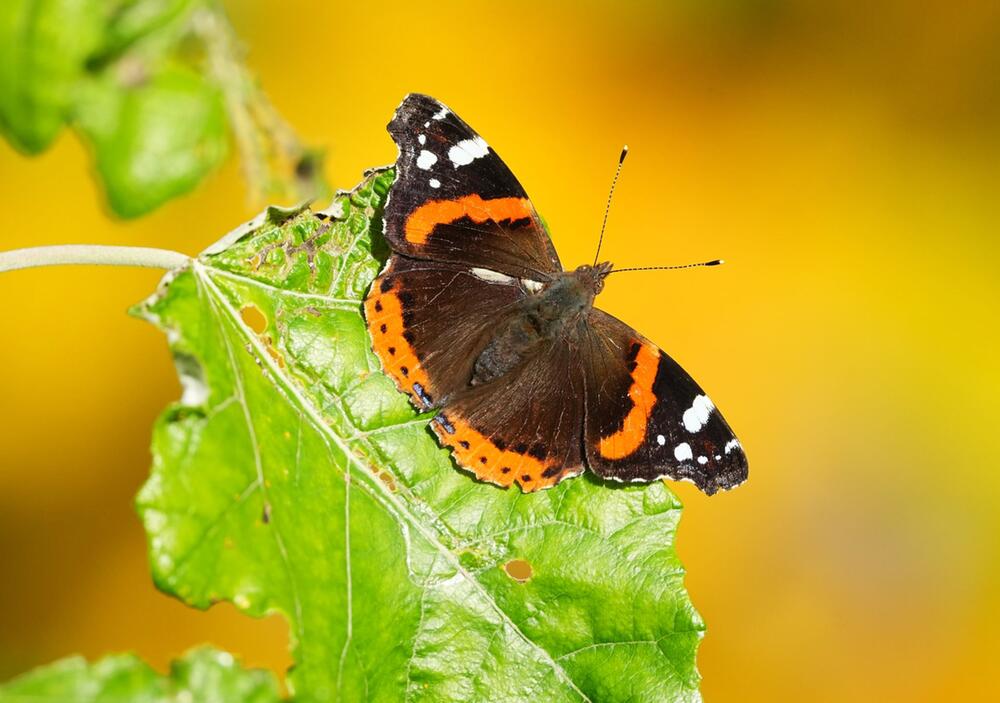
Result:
pixel 703 460
pixel 696 416
pixel 426 159
pixel 682 452
pixel 733 444
pixel 491 276
pixel 468 150
pixel 422 139
pixel 531 286
pixel 441 114
pixel 434 183
pixel 661 440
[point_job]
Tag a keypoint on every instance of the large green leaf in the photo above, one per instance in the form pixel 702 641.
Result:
pixel 293 477
pixel 204 675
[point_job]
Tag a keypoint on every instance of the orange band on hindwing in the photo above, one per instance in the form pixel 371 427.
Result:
pixel 425 218
pixel 390 340
pixel 501 465
pixel 631 436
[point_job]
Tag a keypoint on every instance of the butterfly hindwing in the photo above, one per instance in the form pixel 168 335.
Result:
pixel 646 418
pixel 454 200
pixel 429 321
pixel 525 427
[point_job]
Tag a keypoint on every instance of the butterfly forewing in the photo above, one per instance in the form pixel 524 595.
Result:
pixel 456 201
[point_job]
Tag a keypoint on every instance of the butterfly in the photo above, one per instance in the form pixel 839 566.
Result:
pixel 474 317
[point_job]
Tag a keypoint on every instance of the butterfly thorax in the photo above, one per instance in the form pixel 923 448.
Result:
pixel 554 311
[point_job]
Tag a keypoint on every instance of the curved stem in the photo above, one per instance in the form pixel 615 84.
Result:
pixel 275 161
pixel 97 254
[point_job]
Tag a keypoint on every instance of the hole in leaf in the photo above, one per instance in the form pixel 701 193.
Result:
pixel 254 318
pixel 518 569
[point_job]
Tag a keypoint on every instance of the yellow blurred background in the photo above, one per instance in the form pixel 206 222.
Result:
pixel 843 157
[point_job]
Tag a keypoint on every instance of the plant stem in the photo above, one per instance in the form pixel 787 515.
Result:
pixel 275 162
pixel 97 254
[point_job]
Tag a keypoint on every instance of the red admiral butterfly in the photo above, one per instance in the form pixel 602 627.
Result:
pixel 475 317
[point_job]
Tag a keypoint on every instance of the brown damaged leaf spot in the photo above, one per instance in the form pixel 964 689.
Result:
pixel 308 247
pixel 260 258
pixel 253 318
pixel 272 352
pixel 519 570
pixel 388 480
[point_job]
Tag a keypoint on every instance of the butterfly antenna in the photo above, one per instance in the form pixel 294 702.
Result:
pixel 607 208
pixel 713 262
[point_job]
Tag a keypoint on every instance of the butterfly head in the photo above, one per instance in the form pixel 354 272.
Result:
pixel 592 277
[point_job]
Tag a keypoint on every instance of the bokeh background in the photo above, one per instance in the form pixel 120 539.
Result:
pixel 843 157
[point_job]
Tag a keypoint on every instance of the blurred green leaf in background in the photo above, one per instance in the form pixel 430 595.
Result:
pixel 44 48
pixel 203 675
pixel 154 141
pixel 153 88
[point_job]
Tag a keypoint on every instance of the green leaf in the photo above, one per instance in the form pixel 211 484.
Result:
pixel 153 140
pixel 293 477
pixel 203 675
pixel 158 25
pixel 44 45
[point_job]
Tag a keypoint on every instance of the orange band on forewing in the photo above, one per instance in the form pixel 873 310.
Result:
pixel 385 310
pixel 633 432
pixel 425 218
